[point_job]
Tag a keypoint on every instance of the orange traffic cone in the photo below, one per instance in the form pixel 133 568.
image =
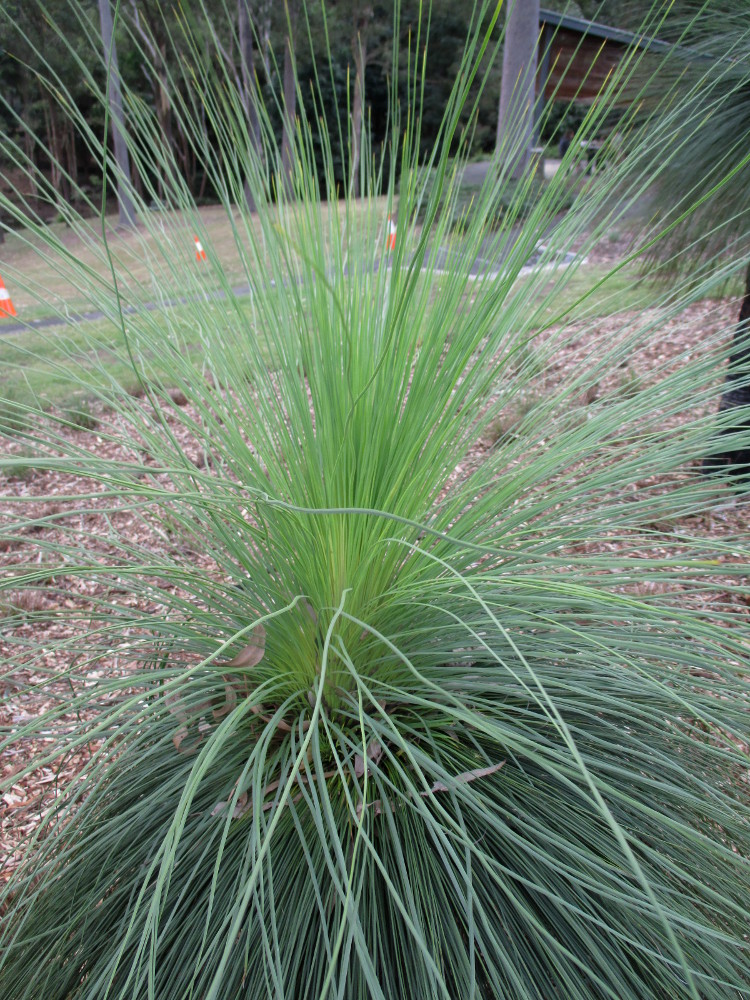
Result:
pixel 391 234
pixel 6 303
pixel 200 253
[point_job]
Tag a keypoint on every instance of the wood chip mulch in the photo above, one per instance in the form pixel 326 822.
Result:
pixel 26 691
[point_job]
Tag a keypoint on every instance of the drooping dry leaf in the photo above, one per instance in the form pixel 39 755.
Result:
pixel 374 753
pixel 464 778
pixel 230 700
pixel 252 654
pixel 180 736
pixel 177 708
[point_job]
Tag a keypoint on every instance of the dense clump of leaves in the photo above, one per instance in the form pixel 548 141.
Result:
pixel 701 193
pixel 389 724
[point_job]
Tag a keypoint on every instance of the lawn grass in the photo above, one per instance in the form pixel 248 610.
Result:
pixel 64 365
pixel 161 249
pixel 595 290
pixel 52 366
pixel 42 287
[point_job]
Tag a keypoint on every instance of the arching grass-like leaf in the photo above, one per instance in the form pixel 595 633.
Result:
pixel 346 706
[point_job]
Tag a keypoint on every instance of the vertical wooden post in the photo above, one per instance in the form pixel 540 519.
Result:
pixel 515 120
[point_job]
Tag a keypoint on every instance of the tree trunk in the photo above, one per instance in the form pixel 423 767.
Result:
pixel 263 22
pixel 362 19
pixel 28 137
pixel 156 74
pixel 72 155
pixel 54 148
pixel 63 153
pixel 290 96
pixel 360 61
pixel 125 206
pixel 515 120
pixel 249 88
pixel 49 139
pixel 164 102
pixel 735 398
pixel 137 181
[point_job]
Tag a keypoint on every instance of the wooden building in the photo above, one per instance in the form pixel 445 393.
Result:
pixel 577 56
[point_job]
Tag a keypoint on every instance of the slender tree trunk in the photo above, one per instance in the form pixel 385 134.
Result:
pixel 54 146
pixel 188 158
pixel 63 153
pixel 360 58
pixel 49 142
pixel 515 122
pixel 156 75
pixel 125 206
pixel 290 95
pixel 28 138
pixel 734 398
pixel 164 102
pixel 249 88
pixel 263 22
pixel 362 18
pixel 204 138
pixel 72 155
pixel 163 106
pixel 137 182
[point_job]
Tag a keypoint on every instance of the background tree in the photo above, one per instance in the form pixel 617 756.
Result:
pixel 42 77
pixel 710 165
pixel 712 162
pixel 289 76
pixel 126 208
pixel 151 31
pixel 247 66
pixel 362 14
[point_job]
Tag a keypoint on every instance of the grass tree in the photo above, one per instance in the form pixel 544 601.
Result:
pixel 703 199
pixel 364 717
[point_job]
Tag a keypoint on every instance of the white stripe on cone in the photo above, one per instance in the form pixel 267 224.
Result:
pixel 6 303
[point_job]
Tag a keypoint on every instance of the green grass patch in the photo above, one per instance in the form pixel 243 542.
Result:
pixel 52 367
pixel 62 366
pixel 155 262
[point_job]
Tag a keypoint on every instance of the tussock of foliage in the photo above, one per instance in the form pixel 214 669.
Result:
pixel 422 733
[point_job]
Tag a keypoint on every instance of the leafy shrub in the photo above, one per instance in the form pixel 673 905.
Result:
pixel 401 727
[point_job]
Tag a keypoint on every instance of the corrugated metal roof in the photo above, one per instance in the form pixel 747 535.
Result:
pixel 581 26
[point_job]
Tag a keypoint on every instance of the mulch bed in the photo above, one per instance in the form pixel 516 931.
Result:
pixel 26 692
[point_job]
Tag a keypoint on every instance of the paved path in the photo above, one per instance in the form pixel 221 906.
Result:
pixel 73 318
pixel 475 173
